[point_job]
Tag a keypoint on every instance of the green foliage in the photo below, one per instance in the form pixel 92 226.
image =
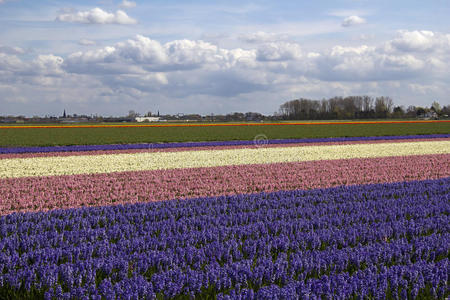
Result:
pixel 14 137
pixel 9 293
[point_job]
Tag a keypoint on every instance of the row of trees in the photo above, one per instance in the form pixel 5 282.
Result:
pixel 354 107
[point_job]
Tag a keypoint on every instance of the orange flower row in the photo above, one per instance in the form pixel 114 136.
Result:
pixel 221 124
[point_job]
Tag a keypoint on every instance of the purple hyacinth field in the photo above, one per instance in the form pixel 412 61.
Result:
pixel 337 218
pixel 373 241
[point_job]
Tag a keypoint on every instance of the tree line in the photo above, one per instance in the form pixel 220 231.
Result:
pixel 356 107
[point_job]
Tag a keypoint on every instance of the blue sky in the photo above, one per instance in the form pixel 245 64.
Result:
pixel 107 57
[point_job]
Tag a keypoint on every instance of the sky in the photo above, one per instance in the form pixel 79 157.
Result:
pixel 196 56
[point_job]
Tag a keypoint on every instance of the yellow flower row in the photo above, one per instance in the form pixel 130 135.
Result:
pixel 91 164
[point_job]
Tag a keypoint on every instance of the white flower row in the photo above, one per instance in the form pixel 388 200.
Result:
pixel 91 164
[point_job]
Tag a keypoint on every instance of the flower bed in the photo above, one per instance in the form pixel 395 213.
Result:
pixel 312 219
pixel 45 193
pixel 97 164
pixel 378 241
pixel 73 148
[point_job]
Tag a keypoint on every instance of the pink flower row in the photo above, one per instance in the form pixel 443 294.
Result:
pixel 77 153
pixel 45 193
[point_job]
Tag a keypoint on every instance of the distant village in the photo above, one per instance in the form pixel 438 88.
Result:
pixel 132 116
pixel 336 108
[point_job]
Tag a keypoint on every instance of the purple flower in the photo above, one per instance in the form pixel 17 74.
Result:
pixel 283 245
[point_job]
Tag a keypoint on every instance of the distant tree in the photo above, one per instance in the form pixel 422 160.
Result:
pixel 398 112
pixel 445 111
pixel 420 111
pixel 324 109
pixel 389 104
pixel 350 107
pixel 367 103
pixel 235 117
pixel 436 107
pixel 411 111
pixel 383 106
pixel 253 116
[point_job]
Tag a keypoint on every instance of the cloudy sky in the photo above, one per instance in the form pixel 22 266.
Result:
pixel 111 56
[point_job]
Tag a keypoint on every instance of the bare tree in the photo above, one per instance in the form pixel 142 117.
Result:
pixel 383 106
pixel 367 103
pixel 338 108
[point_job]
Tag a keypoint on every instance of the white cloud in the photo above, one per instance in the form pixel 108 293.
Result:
pixel 353 21
pixel 281 51
pixel 143 56
pixel 278 62
pixel 313 55
pixel 145 53
pixel 339 50
pixel 366 63
pixel 403 63
pixel 86 42
pixel 262 37
pixel 128 4
pixel 96 16
pixel 11 63
pixel 48 65
pixel 141 50
pixel 193 54
pixel 41 65
pixel 416 40
pixel 11 50
pixel 141 68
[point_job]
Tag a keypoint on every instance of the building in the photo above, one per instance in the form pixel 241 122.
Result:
pixel 431 115
pixel 147 119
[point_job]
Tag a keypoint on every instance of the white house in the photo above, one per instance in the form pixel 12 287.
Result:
pixel 147 119
pixel 429 115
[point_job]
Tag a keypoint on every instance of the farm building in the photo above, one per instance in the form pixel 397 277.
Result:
pixel 148 119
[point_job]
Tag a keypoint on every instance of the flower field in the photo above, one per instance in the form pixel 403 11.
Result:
pixel 329 218
pixel 48 135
